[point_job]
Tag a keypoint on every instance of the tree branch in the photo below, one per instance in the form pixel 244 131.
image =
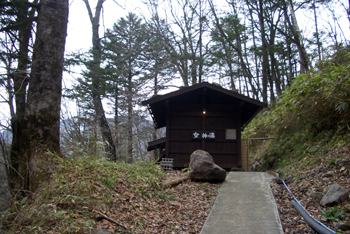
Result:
pixel 175 182
pixel 17 25
pixel 110 219
pixel 89 10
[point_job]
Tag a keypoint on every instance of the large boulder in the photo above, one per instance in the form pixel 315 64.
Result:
pixel 203 168
pixel 336 194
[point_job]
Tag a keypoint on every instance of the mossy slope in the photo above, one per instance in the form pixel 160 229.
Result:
pixel 311 118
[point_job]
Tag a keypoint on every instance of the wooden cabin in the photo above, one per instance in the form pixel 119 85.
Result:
pixel 203 116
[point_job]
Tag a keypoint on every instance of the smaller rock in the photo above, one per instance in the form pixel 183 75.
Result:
pixel 326 179
pixel 336 194
pixel 328 174
pixel 343 226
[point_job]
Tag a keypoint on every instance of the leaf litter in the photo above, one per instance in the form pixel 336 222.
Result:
pixel 305 183
pixel 89 194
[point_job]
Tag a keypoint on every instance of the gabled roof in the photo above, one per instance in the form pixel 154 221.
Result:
pixel 157 104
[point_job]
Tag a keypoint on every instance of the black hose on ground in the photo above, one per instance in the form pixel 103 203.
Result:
pixel 313 223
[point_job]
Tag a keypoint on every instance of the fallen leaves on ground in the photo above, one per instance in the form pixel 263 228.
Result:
pixel 304 183
pixel 85 195
pixel 181 209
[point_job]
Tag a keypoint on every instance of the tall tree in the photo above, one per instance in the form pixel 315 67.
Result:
pixel 42 115
pixel 268 15
pixel 161 70
pixel 237 47
pixel 17 26
pixel 297 37
pixel 95 73
pixel 265 58
pixel 126 47
pixel 224 56
pixel 317 34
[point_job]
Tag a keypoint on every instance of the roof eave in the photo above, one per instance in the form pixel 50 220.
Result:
pixel 198 86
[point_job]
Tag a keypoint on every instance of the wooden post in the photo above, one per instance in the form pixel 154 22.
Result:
pixel 167 134
pixel 239 130
pixel 245 154
pixel 203 116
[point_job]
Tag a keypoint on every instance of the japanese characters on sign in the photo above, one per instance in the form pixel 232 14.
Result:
pixel 199 134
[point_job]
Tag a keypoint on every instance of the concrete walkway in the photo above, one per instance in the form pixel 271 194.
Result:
pixel 245 204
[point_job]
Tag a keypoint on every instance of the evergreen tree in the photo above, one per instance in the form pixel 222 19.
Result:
pixel 126 47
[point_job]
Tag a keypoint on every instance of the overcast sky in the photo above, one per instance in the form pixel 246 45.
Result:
pixel 79 26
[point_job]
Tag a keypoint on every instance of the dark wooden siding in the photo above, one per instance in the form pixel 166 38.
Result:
pixel 181 113
pixel 187 117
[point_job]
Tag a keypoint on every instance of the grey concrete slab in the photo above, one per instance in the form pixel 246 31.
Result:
pixel 245 204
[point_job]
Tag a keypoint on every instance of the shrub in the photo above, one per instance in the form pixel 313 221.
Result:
pixel 315 108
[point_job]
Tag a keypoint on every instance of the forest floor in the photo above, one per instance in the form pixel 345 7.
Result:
pixel 303 182
pixel 120 198
pixel 97 196
pixel 183 209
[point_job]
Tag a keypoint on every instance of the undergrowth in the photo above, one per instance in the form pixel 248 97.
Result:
pixel 311 118
pixel 65 203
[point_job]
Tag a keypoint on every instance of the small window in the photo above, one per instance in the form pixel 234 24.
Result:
pixel 231 134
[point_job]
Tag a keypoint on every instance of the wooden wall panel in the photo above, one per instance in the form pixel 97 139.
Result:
pixel 184 147
pixel 180 135
pixel 183 107
pixel 185 122
pixel 226 161
pixel 212 122
pixel 221 147
pixel 187 117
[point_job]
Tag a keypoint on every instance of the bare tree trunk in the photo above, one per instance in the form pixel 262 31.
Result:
pixel 42 116
pixel 298 40
pixel 265 59
pixel 155 93
pixel 255 87
pixel 129 123
pixel 116 119
pixel 200 71
pixel 317 34
pixel 20 82
pixel 274 82
pixel 5 195
pixel 96 98
pixel 20 78
pixel 194 70
pixel 245 68
pixel 289 56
